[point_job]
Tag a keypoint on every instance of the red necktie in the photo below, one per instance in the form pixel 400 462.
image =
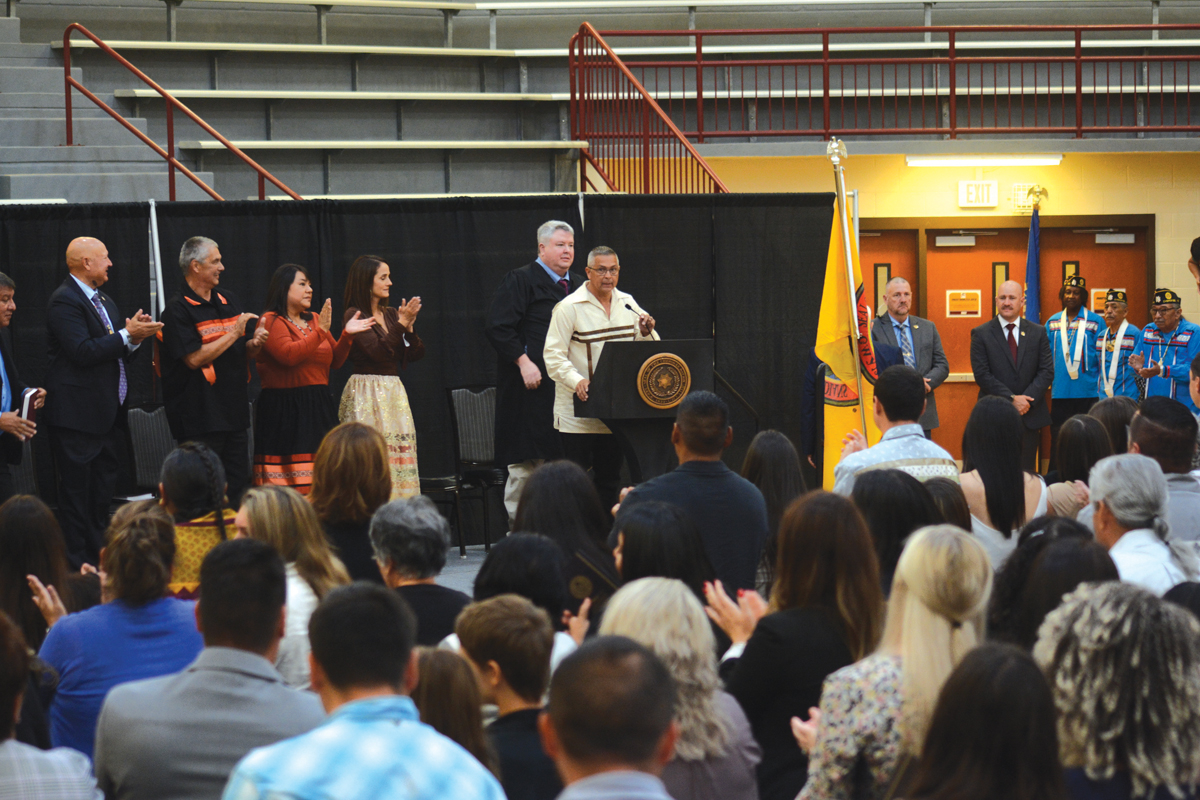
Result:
pixel 1012 341
pixel 566 286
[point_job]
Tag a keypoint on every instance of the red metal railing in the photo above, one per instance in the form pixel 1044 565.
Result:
pixel 827 82
pixel 632 144
pixel 171 104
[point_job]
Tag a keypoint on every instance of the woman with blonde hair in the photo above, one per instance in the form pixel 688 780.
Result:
pixel 284 519
pixel 351 480
pixel 716 755
pixel 874 714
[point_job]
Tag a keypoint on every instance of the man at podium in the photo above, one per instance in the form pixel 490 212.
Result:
pixel 593 314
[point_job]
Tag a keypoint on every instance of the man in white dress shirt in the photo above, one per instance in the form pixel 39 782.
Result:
pixel 1129 501
pixel 593 314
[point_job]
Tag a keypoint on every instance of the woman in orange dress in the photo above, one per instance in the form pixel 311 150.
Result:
pixel 294 411
pixel 375 395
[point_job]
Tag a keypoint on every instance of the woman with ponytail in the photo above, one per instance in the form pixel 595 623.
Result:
pixel 869 731
pixel 191 489
pixel 138 632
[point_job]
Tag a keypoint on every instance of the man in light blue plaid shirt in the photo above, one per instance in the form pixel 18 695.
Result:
pixel 373 744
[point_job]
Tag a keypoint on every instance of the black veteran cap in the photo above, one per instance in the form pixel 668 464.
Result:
pixel 1165 297
pixel 1077 281
pixel 1116 296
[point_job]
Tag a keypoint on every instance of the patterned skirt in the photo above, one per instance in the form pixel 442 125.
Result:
pixel 289 425
pixel 381 402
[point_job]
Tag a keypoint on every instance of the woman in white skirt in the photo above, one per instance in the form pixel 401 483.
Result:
pixel 374 395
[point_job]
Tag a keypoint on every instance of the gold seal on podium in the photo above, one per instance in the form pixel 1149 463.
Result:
pixel 664 380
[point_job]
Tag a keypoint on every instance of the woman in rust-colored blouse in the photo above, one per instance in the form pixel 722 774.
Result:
pixel 375 395
pixel 294 411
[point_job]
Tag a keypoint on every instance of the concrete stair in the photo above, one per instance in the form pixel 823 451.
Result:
pixel 107 163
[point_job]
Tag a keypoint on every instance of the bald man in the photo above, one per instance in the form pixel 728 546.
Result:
pixel 87 386
pixel 919 343
pixel 1011 358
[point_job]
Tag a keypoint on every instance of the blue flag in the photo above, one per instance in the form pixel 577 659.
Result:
pixel 1033 273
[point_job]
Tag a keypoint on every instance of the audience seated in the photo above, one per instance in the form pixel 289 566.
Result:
pixel 728 510
pixel 660 540
pixel 899 403
pixel 138 632
pixel 284 519
pixel 179 736
pixel 1129 503
pixel 877 711
pixel 508 641
pixel 372 744
pixel 448 700
pixel 351 480
pixel 1115 414
pixel 410 538
pixel 948 496
pixel 560 501
pixel 1001 495
pixel 715 754
pixel 610 726
pixel 26 771
pixel 1043 569
pixel 992 734
pixel 826 611
pixel 530 566
pixel 191 488
pixel 894 504
pixel 1082 441
pixel 1122 668
pixel 773 465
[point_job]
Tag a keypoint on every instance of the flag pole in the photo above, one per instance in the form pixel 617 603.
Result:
pixel 836 152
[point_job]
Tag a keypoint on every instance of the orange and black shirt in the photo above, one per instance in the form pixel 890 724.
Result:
pixel 213 399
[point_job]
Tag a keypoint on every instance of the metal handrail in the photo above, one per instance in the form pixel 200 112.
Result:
pixel 679 71
pixel 631 145
pixel 171 103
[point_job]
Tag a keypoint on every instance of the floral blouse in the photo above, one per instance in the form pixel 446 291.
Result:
pixel 858 741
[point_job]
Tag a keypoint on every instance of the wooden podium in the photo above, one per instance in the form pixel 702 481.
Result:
pixel 635 389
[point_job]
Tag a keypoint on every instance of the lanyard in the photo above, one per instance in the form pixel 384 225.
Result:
pixel 1111 377
pixel 1065 329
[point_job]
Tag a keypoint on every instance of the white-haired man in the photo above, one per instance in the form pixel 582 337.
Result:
pixel 516 326
pixel 919 344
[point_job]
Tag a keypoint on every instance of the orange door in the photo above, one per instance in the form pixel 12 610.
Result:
pixel 952 276
pixel 1105 266
pixel 884 255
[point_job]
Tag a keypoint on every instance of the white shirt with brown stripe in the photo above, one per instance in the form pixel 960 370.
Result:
pixel 578 331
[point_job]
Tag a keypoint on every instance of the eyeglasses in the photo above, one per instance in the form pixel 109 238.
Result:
pixel 604 270
pixel 1159 311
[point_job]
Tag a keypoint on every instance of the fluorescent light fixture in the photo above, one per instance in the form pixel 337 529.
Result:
pixel 1035 160
pixel 954 241
pixel 1115 238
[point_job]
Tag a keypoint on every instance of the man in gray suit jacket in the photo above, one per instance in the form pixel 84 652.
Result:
pixel 918 341
pixel 179 736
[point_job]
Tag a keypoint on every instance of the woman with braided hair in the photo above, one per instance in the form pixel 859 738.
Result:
pixel 1124 670
pixel 191 488
pixel 874 714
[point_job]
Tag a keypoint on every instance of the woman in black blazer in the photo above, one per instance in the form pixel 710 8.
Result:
pixel 825 612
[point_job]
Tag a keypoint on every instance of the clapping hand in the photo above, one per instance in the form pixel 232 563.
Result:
pixel 356 324
pixel 47 600
pixel 406 314
pixel 805 731
pixel 325 318
pixel 260 336
pixel 140 326
pixel 242 320
pixel 577 624
pixel 854 442
pixel 737 620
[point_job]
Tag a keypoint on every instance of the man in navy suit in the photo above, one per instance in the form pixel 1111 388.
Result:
pixel 14 429
pixel 88 384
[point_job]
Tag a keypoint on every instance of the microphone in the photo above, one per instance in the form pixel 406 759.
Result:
pixel 639 316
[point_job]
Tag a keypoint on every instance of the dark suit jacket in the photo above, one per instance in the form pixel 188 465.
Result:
pixel 927 348
pixel 517 322
pixel 992 363
pixel 83 376
pixel 10 445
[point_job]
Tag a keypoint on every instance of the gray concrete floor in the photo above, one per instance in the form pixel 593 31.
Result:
pixel 459 573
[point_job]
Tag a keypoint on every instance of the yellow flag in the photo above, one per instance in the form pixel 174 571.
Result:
pixel 837 347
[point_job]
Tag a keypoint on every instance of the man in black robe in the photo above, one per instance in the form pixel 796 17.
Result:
pixel 516 326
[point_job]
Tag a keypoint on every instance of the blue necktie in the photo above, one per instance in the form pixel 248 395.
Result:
pixel 905 347
pixel 122 383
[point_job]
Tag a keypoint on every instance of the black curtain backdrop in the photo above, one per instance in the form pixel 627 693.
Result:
pixel 746 269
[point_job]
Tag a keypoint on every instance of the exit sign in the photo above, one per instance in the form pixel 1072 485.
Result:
pixel 978 194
